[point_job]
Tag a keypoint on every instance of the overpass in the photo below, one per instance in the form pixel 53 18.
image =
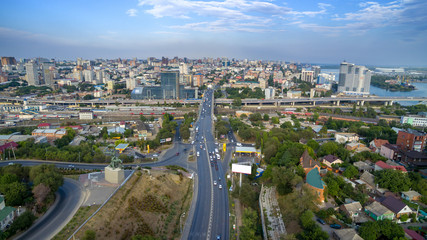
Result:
pixel 260 102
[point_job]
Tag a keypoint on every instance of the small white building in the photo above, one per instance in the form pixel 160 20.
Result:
pixel 341 137
pixel 86 114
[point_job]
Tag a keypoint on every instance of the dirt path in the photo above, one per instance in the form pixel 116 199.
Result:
pixel 238 211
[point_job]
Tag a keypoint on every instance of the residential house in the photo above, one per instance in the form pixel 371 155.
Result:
pixel 354 211
pixel 346 234
pixel 363 166
pixel 380 165
pixel 341 137
pixel 390 151
pixel 368 180
pixel 411 195
pixel 411 234
pixel 328 160
pixel 375 145
pixel 308 163
pixel 312 171
pixel 396 206
pixel 315 183
pixel 50 134
pixel 378 212
pixel 356 146
pixel 413 158
pixel 6 214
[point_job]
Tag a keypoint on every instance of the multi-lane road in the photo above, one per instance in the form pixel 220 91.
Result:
pixel 211 213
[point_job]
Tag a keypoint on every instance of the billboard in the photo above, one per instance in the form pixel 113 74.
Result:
pixel 238 168
pixel 162 140
pixel 168 139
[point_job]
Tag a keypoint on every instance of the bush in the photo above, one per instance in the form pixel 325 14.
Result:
pixel 21 223
pixel 89 235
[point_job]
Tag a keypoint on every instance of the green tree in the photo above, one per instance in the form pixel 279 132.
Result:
pixel 249 220
pixel 313 144
pixel 48 175
pixel 128 133
pixel 15 193
pixel 237 102
pixel 384 229
pixel 275 120
pixel 393 180
pixel 142 118
pixel 350 172
pixel 266 117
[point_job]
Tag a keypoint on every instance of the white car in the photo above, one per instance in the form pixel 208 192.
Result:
pixel 198 154
pixel 220 186
pixel 215 183
pixel 155 155
pixel 239 144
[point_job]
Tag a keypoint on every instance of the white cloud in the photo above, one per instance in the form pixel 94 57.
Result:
pixel 132 12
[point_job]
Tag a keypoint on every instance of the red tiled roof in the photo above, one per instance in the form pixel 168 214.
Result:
pixel 413 234
pixel 384 165
pixel 379 142
pixel 44 125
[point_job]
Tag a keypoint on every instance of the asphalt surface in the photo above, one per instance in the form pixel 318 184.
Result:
pixel 69 197
pixel 211 216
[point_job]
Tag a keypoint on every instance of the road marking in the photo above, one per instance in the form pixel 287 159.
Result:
pixel 212 193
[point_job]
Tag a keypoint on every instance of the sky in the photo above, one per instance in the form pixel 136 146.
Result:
pixel 381 33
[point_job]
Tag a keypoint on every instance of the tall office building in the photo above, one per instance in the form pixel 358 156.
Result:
pixel 316 70
pixel 170 84
pixel 88 76
pixel 32 74
pixel 47 74
pixel 353 79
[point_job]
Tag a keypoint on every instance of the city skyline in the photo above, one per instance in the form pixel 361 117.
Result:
pixel 378 33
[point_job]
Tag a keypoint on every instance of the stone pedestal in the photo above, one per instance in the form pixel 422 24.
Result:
pixel 116 175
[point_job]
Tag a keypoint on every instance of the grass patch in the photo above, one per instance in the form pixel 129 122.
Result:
pixel 81 215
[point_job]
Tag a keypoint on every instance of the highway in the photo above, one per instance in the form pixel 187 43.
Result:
pixel 69 199
pixel 211 219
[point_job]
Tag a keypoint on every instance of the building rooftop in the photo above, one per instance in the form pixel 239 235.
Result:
pixel 314 179
pixel 330 158
pixel 384 165
pixel 5 212
pixel 412 194
pixel 308 161
pixel 378 209
pixel 392 203
pixel 347 234
pixel 247 149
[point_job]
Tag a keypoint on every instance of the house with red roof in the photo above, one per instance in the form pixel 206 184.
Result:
pixel 380 165
pixel 375 145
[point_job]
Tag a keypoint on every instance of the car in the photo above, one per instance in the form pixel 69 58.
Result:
pixel 219 179
pixel 155 155
pixel 192 142
pixel 70 166
pixel 336 226
pixel 239 144
pixel 220 186
pixel 177 154
pixel 215 183
pixel 198 153
pixel 218 237
pixel 321 221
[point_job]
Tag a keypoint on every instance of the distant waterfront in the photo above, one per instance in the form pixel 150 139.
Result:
pixel 420 92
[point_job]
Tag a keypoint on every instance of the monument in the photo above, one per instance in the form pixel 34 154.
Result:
pixel 114 172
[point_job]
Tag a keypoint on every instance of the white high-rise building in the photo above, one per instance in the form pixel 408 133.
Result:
pixel 183 68
pixel 307 76
pixel 32 74
pixel 131 83
pixel 270 92
pixel 353 79
pixel 88 76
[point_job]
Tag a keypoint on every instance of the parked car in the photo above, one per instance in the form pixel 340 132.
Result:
pixel 321 221
pixel 336 226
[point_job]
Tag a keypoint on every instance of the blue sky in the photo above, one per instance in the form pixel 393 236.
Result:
pixel 326 31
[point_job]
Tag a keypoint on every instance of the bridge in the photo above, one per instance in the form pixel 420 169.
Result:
pixel 247 102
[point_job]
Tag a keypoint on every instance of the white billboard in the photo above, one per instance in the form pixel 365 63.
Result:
pixel 238 168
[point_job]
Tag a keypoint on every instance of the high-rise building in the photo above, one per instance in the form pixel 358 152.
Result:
pixel 88 76
pixel 316 70
pixel 307 76
pixel 8 61
pixel 170 84
pixel 183 68
pixel 32 74
pixel 47 74
pixel 353 79
pixel 131 83
pixel 198 79
pixel 270 92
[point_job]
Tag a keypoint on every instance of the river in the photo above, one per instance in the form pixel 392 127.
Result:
pixel 420 92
